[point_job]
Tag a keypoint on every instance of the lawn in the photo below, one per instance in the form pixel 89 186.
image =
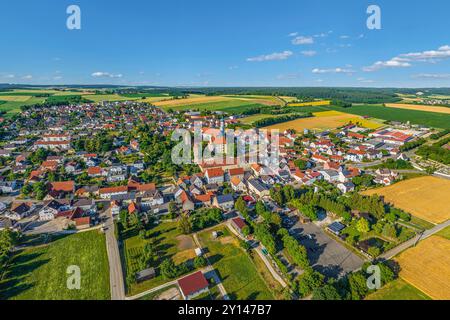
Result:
pixel 398 290
pixel 169 244
pixel 239 275
pixel 39 273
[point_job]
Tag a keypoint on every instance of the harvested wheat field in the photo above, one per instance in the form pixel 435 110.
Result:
pixel 427 267
pixel 311 103
pixel 15 98
pixel 419 107
pixel 324 121
pixel 188 101
pixel 425 197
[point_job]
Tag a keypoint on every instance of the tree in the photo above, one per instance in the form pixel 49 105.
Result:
pixel 358 286
pixel 327 292
pixel 123 218
pixel 363 225
pixel 200 262
pixel 168 269
pixel 245 245
pixel 389 231
pixel 173 210
pixel 309 281
pixel 184 224
pixel 240 205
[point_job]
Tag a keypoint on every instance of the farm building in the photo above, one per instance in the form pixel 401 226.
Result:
pixel 193 285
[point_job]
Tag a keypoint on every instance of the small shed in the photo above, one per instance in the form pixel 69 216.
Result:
pixel 145 274
pixel 198 252
pixel 336 228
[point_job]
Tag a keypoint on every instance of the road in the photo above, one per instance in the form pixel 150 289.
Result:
pixel 115 265
pixel 410 243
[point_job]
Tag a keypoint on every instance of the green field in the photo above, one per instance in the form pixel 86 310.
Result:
pixel 230 106
pixel 107 97
pixel 398 290
pixel 165 237
pixel 237 271
pixel 13 107
pixel 39 273
pixel 431 119
pixel 444 233
pixel 144 95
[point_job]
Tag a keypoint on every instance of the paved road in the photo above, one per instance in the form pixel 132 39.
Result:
pixel 115 265
pixel 428 233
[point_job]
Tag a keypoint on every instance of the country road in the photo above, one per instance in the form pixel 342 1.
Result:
pixel 115 265
pixel 428 233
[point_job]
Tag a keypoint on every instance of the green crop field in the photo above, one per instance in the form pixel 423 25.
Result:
pixel 40 273
pixel 13 107
pixel 237 271
pixel 231 106
pixel 431 119
pixel 106 97
pixel 444 233
pixel 398 290
pixel 144 95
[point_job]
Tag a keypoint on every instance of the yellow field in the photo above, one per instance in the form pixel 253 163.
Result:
pixel 155 99
pixel 324 121
pixel 419 107
pixel 427 267
pixel 15 98
pixel 313 103
pixel 288 99
pixel 425 197
pixel 188 101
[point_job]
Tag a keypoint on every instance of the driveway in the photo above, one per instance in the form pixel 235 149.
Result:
pixel 325 254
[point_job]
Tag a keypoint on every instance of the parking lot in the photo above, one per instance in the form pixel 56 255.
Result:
pixel 325 254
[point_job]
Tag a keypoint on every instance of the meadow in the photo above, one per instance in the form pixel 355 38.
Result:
pixel 425 197
pixel 237 271
pixel 169 244
pixel 398 290
pixel 427 267
pixel 39 273
pixel 431 119
pixel 107 97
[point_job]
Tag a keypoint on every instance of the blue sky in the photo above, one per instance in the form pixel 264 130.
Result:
pixel 226 43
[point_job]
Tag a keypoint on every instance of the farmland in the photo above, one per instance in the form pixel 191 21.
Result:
pixel 425 197
pixel 40 272
pixel 310 104
pixel 324 121
pixel 107 97
pixel 427 267
pixel 398 290
pixel 432 119
pixel 419 107
pixel 237 271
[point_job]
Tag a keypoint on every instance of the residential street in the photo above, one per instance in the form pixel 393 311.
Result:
pixel 115 266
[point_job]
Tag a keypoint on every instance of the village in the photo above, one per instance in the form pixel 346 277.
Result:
pixel 106 166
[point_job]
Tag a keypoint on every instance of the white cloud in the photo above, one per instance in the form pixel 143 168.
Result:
pixel 300 40
pixel 27 77
pixel 432 76
pixel 272 57
pixel 344 37
pixel 320 35
pixel 57 78
pixel 309 53
pixel 293 34
pixel 405 60
pixel 100 74
pixel 8 76
pixel 233 67
pixel 335 70
pixel 364 80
